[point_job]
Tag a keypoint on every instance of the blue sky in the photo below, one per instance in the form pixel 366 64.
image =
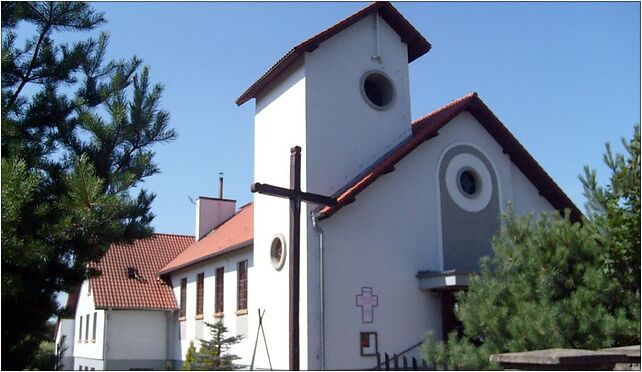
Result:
pixel 563 77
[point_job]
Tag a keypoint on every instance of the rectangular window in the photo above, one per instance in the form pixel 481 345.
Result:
pixel 80 330
pixel 93 333
pixel 79 366
pixel 183 297
pixel 218 305
pixel 200 282
pixel 242 285
pixel 87 329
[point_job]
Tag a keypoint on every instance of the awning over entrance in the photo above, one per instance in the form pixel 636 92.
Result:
pixel 443 280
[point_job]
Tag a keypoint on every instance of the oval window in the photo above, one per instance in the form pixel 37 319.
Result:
pixel 469 182
pixel 377 89
pixel 277 252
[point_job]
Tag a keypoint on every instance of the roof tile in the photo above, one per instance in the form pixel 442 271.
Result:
pixel 235 233
pixel 113 288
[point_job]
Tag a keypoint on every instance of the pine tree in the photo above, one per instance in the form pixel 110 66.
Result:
pixel 189 357
pixel 77 133
pixel 552 283
pixel 214 353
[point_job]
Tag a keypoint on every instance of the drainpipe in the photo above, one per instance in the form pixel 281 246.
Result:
pixel 317 228
pixel 169 316
pixel 105 345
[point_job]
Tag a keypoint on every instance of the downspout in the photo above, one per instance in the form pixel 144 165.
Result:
pixel 315 224
pixel 169 316
pixel 105 346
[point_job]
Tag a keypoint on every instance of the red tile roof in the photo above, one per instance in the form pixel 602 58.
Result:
pixel 233 234
pixel 428 127
pixel 417 44
pixel 115 289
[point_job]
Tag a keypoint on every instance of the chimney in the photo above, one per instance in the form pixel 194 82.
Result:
pixel 212 212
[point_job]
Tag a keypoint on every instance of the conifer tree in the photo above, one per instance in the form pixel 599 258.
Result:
pixel 190 357
pixel 552 283
pixel 77 133
pixel 214 353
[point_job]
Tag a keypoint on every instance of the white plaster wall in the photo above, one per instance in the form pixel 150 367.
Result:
pixel 66 328
pixel 526 198
pixel 233 322
pixel 90 349
pixel 390 233
pixel 344 133
pixel 136 334
pixel 280 123
pixel 382 241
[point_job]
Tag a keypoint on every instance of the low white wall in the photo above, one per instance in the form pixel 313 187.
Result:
pixel 66 329
pixel 136 334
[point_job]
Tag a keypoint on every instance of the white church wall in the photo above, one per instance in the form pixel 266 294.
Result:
pixel 526 198
pixel 344 133
pixel 192 329
pixel 391 232
pixel 88 351
pixel 381 241
pixel 279 125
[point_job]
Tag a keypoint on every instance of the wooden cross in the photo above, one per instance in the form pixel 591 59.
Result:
pixel 296 196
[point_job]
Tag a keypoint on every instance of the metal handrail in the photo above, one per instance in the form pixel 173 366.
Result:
pixel 397 355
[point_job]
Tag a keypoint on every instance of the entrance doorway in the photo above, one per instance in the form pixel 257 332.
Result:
pixel 449 321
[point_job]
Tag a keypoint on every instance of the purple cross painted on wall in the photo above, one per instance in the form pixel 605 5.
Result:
pixel 367 301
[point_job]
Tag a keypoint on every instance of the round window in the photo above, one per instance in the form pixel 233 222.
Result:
pixel 468 182
pixel 377 89
pixel 277 252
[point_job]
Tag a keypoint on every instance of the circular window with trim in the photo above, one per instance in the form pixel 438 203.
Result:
pixel 277 252
pixel 377 90
pixel 469 182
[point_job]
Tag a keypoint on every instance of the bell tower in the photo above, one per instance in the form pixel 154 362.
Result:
pixel 343 97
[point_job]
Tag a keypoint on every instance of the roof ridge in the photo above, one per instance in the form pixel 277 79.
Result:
pixel 444 107
pixel 427 127
pixel 417 44
pixel 171 234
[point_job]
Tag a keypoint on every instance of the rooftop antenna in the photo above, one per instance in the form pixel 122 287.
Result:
pixel 220 185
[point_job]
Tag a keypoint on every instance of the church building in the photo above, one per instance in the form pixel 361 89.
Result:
pixel 417 200
pixel 394 212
